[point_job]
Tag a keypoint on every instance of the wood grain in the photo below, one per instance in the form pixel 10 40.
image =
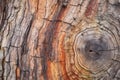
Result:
pixel 60 39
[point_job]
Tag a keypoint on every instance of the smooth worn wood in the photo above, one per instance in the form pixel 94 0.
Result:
pixel 60 39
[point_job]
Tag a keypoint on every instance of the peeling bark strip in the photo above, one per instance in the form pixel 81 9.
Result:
pixel 60 39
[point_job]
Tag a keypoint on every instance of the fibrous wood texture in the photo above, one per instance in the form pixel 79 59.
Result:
pixel 60 39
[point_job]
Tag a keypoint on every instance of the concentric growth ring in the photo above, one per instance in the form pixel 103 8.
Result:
pixel 90 49
pixel 94 49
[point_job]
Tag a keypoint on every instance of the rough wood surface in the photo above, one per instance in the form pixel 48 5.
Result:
pixel 60 39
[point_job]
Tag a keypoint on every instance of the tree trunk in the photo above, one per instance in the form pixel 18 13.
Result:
pixel 60 39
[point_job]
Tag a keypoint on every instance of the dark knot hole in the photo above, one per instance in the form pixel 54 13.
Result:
pixel 90 50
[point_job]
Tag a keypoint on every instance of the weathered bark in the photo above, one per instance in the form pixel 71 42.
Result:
pixel 60 39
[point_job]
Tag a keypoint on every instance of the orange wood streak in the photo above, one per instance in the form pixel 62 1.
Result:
pixel 61 53
pixel 62 58
pixel 50 64
pixel 61 41
pixel 49 70
pixel 18 73
pixel 91 9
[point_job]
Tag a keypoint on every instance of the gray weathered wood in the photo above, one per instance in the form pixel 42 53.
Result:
pixel 60 39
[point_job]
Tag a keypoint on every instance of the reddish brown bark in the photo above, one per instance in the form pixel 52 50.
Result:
pixel 60 39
